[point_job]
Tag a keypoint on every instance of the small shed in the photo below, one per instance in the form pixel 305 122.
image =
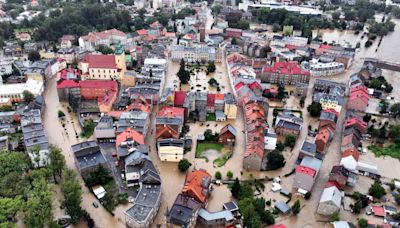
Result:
pixel 283 207
pixel 99 191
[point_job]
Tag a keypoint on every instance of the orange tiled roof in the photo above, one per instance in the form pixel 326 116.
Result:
pixel 129 133
pixel 194 185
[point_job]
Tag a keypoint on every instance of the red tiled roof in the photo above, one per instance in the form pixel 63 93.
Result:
pixel 211 99
pixel 171 112
pixel 239 85
pixel 98 84
pixel 100 61
pixel 288 68
pixel 142 32
pixel 306 170
pixel 67 84
pixel 325 46
pixel 332 111
pixel 179 98
pixel 332 183
pixel 378 211
pixel 277 226
pixel 359 92
pixel 129 133
pixel 255 85
pixel 291 47
pixel 194 185
pixel 351 152
pixel 169 130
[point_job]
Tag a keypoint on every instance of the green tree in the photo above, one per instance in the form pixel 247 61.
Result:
pixel 362 223
pixel 218 175
pixel 357 206
pixel 184 165
pixel 290 140
pixel 38 209
pixel 109 202
pixel 395 109
pixel 60 114
pixel 235 189
pixel 72 192
pixel 216 9
pixel 375 84
pixel 315 109
pixel 88 128
pixel 213 82
pixel 307 195
pixel 229 174
pixel 33 56
pixel 296 207
pixel 28 96
pixel 8 209
pixel 376 190
pixel 211 67
pixel 183 74
pixel 105 50
pixel 302 100
pixel 281 92
pixel 57 162
pixel 275 160
pixel 233 41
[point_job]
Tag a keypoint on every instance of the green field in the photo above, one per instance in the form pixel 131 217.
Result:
pixel 392 150
pixel 201 147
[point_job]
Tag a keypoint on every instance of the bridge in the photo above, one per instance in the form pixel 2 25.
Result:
pixel 383 64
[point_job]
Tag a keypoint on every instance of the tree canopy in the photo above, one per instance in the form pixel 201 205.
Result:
pixel 315 109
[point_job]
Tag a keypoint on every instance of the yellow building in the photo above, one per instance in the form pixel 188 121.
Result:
pixel 330 104
pixel 230 111
pixel 100 67
pixel 170 150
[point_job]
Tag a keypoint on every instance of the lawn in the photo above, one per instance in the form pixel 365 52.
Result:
pixel 221 161
pixel 392 150
pixel 201 147
pixel 211 117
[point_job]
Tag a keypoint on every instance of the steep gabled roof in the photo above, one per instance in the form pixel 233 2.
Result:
pixel 197 184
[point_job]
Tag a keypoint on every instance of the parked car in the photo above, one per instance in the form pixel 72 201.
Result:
pixel 114 154
pixel 95 205
pixel 116 164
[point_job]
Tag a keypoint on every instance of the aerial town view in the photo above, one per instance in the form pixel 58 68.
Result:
pixel 192 114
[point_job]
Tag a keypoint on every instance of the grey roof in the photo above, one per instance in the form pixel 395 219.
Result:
pixel 182 210
pixel 311 162
pixel 318 96
pixel 145 202
pixel 169 120
pixel 288 125
pixel 283 207
pixel 90 160
pixel 105 122
pixel 389 208
pixel 328 116
pixel 231 129
pixel 211 216
pixel 219 114
pixel 232 206
pixel 331 194
pixel 309 147
pixel 171 142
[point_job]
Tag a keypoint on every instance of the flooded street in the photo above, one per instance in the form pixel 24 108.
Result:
pixel 64 139
pixel 173 180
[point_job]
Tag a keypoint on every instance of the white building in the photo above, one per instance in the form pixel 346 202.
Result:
pixel 106 38
pixel 5 68
pixel 289 40
pixel 325 69
pixel 330 201
pixel 270 140
pixel 200 53
pixel 15 91
pixel 170 150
